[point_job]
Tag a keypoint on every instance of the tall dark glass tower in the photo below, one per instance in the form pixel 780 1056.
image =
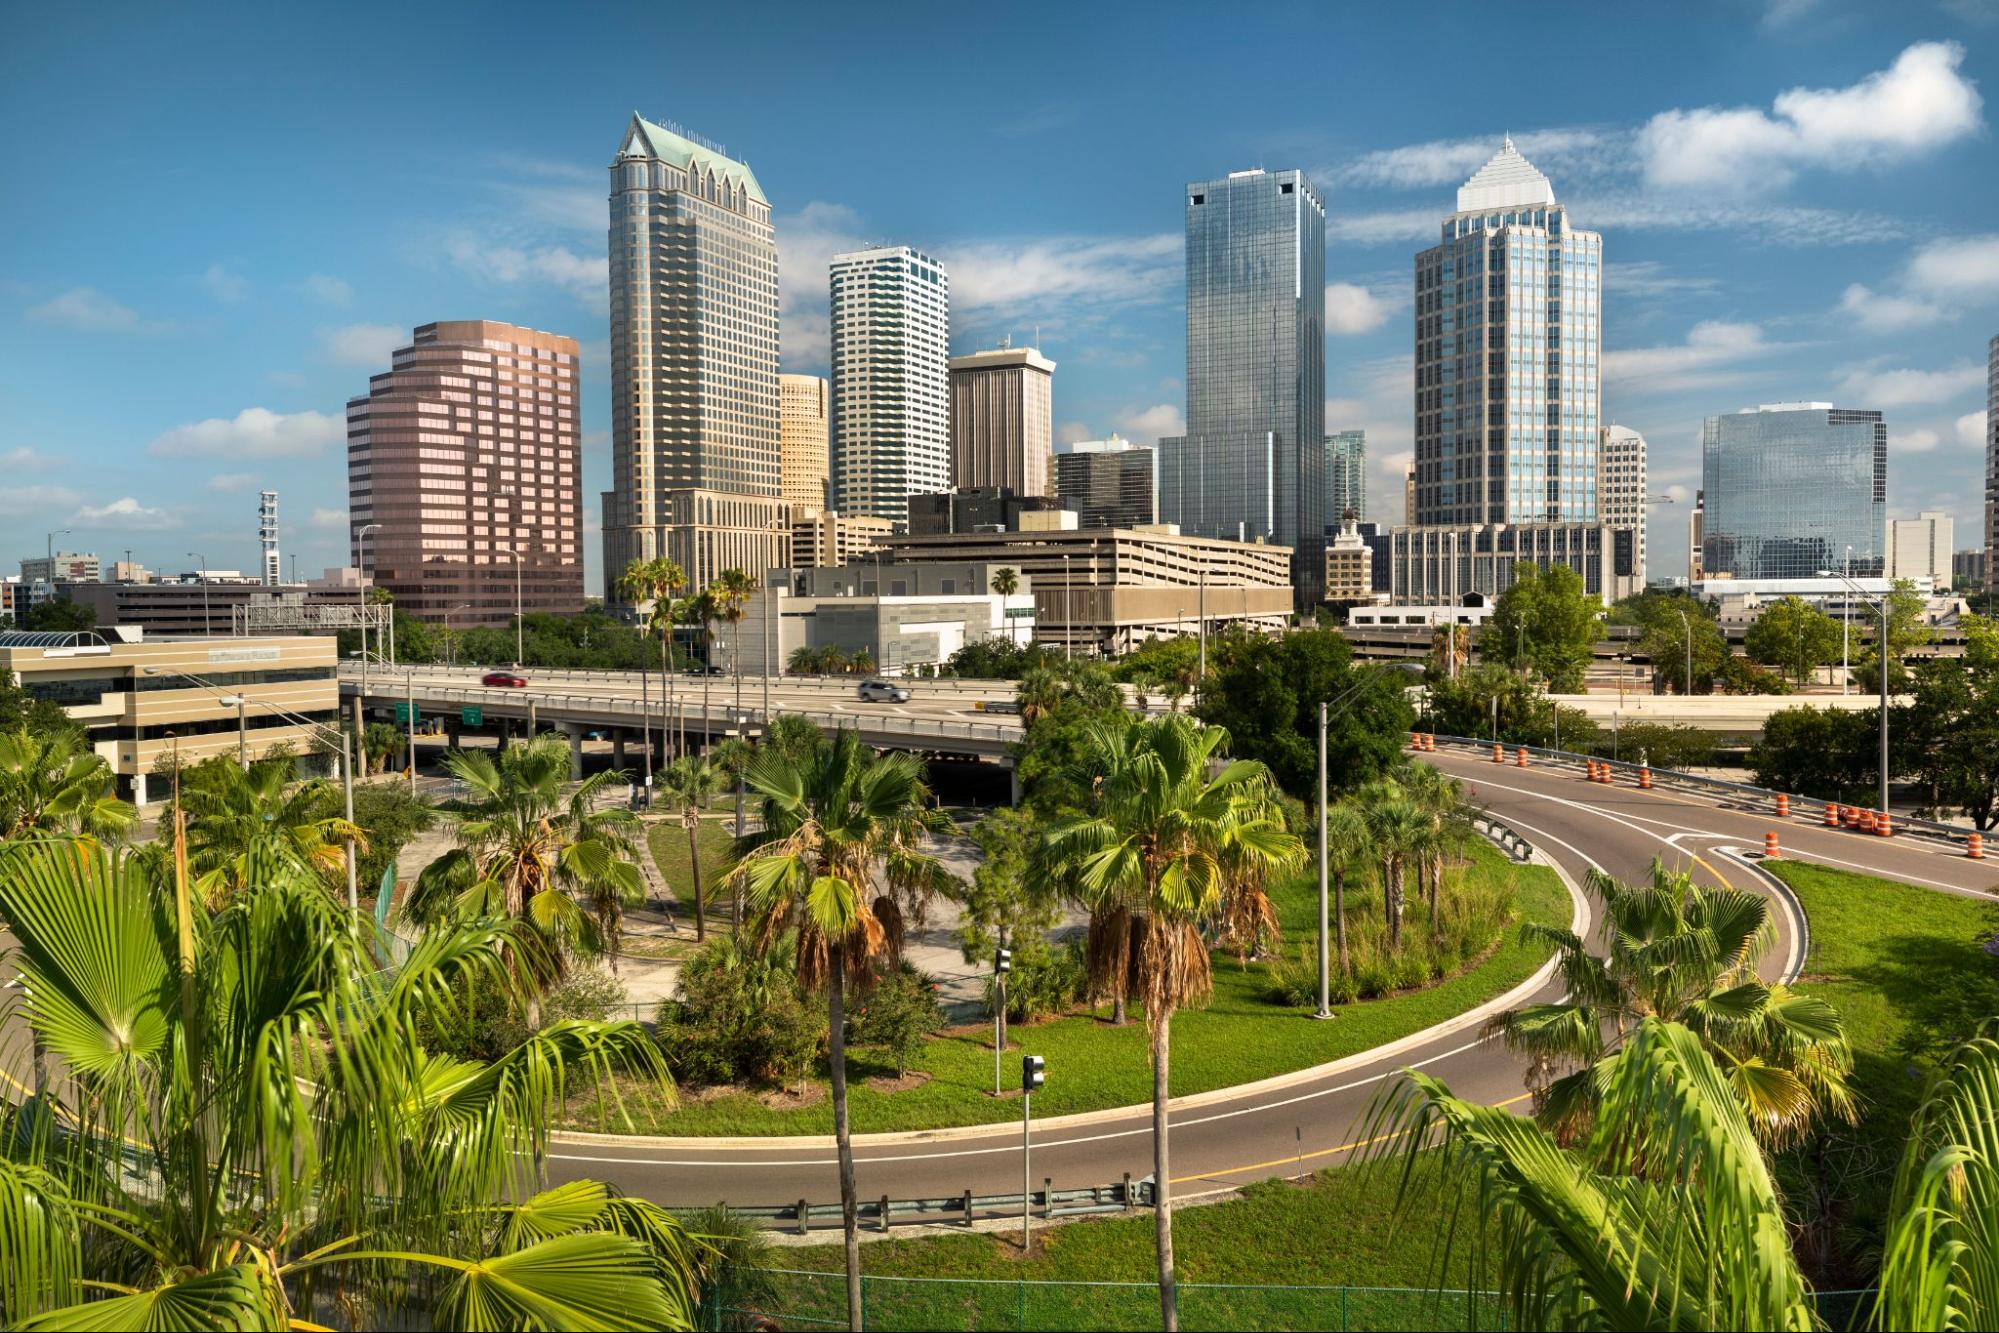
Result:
pixel 1252 463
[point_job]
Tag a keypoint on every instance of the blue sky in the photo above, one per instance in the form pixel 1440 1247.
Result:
pixel 215 223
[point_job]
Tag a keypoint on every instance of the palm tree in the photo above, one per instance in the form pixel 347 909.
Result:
pixel 1040 691
pixel 1348 842
pixel 1685 953
pixel 864 661
pixel 1441 798
pixel 651 585
pixel 230 808
pixel 1175 689
pixel 1162 833
pixel 690 782
pixel 524 852
pixel 803 661
pixel 1005 583
pixel 732 590
pixel 839 861
pixel 298 1150
pixel 700 609
pixel 1400 830
pixel 1142 684
pixel 55 784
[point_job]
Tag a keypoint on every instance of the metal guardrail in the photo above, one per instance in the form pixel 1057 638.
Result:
pixel 1807 808
pixel 804 1216
pixel 1503 837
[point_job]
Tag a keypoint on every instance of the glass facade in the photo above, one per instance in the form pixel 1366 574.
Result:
pixel 1788 488
pixel 1508 340
pixel 1252 463
pixel 1346 477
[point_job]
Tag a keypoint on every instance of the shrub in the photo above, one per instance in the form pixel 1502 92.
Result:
pixel 897 1015
pixel 1044 981
pixel 488 1024
pixel 738 1019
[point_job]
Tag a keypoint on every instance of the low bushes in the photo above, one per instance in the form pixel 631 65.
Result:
pixel 739 1019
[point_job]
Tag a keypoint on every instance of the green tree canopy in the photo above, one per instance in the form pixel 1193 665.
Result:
pixel 1794 635
pixel 1950 728
pixel 1545 623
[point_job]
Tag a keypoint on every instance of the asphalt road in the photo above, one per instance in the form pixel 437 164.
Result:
pixel 1226 1139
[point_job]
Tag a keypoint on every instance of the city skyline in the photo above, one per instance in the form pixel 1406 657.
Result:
pixel 1838 250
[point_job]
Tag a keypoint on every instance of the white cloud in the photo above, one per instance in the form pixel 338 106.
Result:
pixel 88 310
pixel 255 432
pixel 1064 271
pixel 228 482
pixel 1913 441
pixel 1964 268
pixel 371 345
pixel 1783 13
pixel 1355 309
pixel 1712 354
pixel 34 501
pixel 123 513
pixel 1452 161
pixel 1970 429
pixel 224 286
pixel 327 288
pixel 328 520
pixel 1919 104
pixel 1646 277
pixel 285 379
pixel 1390 227
pixel 585 277
pixel 22 458
pixel 1147 425
pixel 1883 389
pixel 1071 431
pixel 1883 313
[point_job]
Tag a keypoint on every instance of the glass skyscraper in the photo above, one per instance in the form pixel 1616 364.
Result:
pixel 1346 477
pixel 891 352
pixel 1788 487
pixel 1508 336
pixel 1252 463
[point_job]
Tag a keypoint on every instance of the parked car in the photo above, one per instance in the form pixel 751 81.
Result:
pixel 504 678
pixel 881 692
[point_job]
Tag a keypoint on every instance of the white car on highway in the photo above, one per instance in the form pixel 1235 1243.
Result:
pixel 881 692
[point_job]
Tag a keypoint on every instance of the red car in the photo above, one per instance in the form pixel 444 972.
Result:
pixel 505 678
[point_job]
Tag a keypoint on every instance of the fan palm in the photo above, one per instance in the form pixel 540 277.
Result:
pixel 1686 953
pixel 524 852
pixel 230 808
pixel 690 782
pixel 839 862
pixel 1401 831
pixel 1348 843
pixel 1005 583
pixel 54 783
pixel 1163 834
pixel 1441 799
pixel 301 1158
pixel 731 591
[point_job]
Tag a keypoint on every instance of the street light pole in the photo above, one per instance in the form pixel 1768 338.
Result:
pixel 1325 962
pixel 205 630
pixel 517 603
pixel 361 571
pixel 1068 610
pixel 1846 634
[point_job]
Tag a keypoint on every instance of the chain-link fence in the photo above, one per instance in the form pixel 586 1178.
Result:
pixel 813 1300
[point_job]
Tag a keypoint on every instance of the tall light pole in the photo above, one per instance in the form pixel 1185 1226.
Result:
pixel 1853 589
pixel 1846 635
pixel 1688 626
pixel 204 589
pixel 1068 609
pixel 361 572
pixel 517 603
pixel 1325 963
pixel 242 731
pixel 451 644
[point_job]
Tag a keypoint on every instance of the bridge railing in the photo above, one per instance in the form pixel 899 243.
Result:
pixel 1762 800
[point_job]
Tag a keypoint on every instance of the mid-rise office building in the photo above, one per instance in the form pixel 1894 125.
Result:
pixel 805 414
pixel 1789 487
pixel 1002 419
pixel 464 474
pixel 1920 548
pixel 1508 336
pixel 1346 477
pixel 1620 482
pixel 1349 564
pixel 1696 535
pixel 821 538
pixel 1969 568
pixel 696 455
pixel 1252 463
pixel 891 337
pixel 984 509
pixel 61 567
pixel 1442 564
pixel 904 617
pixel 1109 483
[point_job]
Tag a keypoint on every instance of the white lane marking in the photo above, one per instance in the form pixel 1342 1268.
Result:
pixel 1961 890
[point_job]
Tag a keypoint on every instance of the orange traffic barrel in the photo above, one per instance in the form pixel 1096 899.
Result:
pixel 1866 821
pixel 1831 815
pixel 1783 806
pixel 1430 740
pixel 1498 754
pixel 1770 845
pixel 1520 757
pixel 1592 770
pixel 1645 777
pixel 1885 825
pixel 1415 740
pixel 1850 816
pixel 1974 847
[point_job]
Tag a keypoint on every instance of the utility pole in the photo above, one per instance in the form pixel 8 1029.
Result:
pixel 1201 619
pixel 1031 1077
pixel 1002 964
pixel 1325 963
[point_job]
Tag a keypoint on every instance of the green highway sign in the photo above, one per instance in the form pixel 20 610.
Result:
pixel 472 717
pixel 404 711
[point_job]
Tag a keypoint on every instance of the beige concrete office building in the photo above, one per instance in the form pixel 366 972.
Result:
pixel 696 456
pixel 822 538
pixel 464 474
pixel 803 411
pixel 1002 419
pixel 1621 487
pixel 142 702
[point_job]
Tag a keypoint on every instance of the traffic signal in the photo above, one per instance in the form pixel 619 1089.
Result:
pixel 1031 1075
pixel 1003 962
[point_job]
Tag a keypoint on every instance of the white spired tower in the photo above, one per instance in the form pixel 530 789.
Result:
pixel 267 534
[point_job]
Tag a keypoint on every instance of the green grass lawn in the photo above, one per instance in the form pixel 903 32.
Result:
pixel 668 841
pixel 1239 1037
pixel 1905 968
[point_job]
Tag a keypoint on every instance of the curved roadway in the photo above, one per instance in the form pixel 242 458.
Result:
pixel 1290 1125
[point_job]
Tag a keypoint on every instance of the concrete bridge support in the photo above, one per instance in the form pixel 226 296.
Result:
pixel 574 730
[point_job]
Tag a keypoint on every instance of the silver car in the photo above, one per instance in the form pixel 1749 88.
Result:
pixel 881 692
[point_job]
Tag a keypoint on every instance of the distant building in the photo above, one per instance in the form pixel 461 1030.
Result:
pixel 1002 419
pixel 127 571
pixel 891 333
pixel 465 474
pixel 184 606
pixel 1621 486
pixel 1696 537
pixel 983 509
pixel 1349 565
pixel 696 455
pixel 1971 569
pixel 903 616
pixel 62 567
pixel 804 408
pixel 1444 565
pixel 1252 462
pixel 823 538
pixel 1346 477
pixel 1110 483
pixel 1789 487
pixel 1919 548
